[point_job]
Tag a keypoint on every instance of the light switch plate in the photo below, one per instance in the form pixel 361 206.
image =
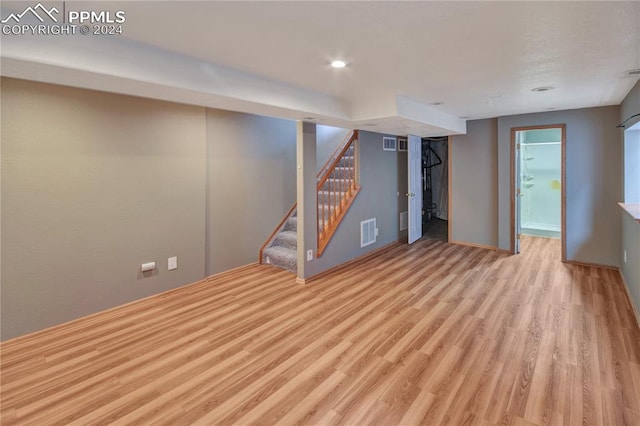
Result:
pixel 172 263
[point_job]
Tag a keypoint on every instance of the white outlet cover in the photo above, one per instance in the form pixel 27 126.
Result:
pixel 310 254
pixel 172 263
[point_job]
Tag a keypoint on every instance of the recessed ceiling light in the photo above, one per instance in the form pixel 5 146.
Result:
pixel 338 64
pixel 542 89
pixel 436 103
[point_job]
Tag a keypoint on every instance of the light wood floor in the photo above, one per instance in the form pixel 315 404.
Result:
pixel 427 334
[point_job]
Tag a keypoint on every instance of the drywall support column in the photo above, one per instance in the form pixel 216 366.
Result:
pixel 307 196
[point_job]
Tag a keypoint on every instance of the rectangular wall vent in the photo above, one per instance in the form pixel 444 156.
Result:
pixel 404 220
pixel 402 144
pixel 388 144
pixel 367 232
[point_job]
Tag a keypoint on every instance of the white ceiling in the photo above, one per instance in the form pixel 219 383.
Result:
pixel 480 59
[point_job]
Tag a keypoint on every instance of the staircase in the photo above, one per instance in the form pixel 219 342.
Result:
pixel 337 188
pixel 282 248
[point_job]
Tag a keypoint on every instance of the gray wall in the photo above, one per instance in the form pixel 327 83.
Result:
pixel 474 183
pixel 630 227
pixel 251 184
pixel 378 198
pixel 328 139
pixel 93 185
pixel 593 180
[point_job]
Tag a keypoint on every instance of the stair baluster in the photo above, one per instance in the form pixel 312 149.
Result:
pixel 337 187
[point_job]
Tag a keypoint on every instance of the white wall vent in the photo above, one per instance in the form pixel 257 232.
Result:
pixel 367 232
pixel 402 144
pixel 389 144
pixel 404 220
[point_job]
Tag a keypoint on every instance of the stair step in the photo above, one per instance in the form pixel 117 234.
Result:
pixel 343 169
pixel 335 184
pixel 346 161
pixel 281 257
pixel 287 239
pixel 342 173
pixel 291 224
pixel 323 196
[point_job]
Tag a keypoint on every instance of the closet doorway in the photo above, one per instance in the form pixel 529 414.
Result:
pixel 537 201
pixel 435 188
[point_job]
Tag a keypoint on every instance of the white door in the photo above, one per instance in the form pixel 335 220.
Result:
pixel 518 194
pixel 414 194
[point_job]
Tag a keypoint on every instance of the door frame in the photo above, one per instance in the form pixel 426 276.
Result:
pixel 563 195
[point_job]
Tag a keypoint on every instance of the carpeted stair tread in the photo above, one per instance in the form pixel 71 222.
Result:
pixel 291 224
pixel 287 239
pixel 323 197
pixel 282 250
pixel 326 193
pixel 335 184
pixel 343 170
pixel 281 257
pixel 345 161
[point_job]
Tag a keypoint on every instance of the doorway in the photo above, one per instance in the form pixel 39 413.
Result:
pixel 428 189
pixel 538 183
pixel 435 188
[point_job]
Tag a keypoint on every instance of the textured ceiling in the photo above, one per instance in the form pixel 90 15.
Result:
pixel 479 59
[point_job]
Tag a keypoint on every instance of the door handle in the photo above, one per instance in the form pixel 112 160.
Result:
pixel 410 194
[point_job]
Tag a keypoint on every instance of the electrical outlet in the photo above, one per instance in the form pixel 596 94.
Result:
pixel 625 256
pixel 309 254
pixel 148 267
pixel 376 232
pixel 172 263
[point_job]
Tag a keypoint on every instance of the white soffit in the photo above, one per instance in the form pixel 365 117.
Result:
pixel 121 66
pixel 410 64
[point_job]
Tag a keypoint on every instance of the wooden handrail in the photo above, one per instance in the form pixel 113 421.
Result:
pixel 336 160
pixel 340 193
pixel 347 140
pixel 328 234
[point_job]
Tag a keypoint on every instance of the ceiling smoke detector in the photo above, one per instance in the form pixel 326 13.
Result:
pixel 542 89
